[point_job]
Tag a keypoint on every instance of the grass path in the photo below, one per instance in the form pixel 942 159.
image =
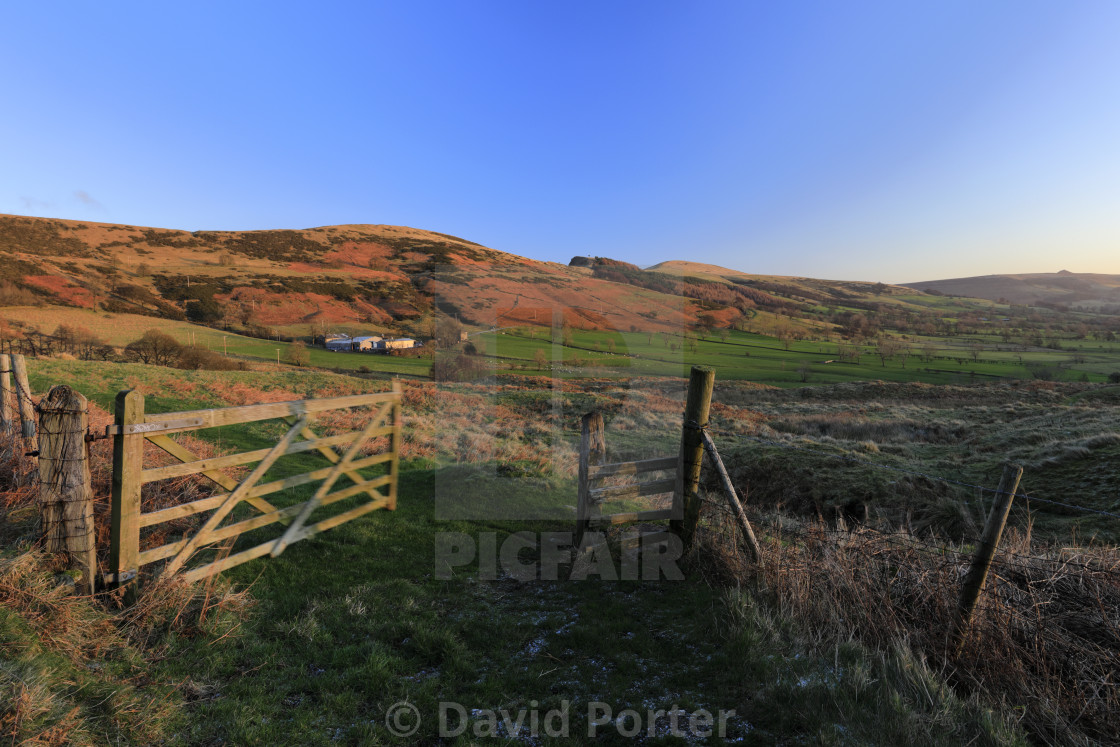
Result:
pixel 354 621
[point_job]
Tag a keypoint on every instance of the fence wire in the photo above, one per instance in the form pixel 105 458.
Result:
pixel 1045 636
pixel 902 470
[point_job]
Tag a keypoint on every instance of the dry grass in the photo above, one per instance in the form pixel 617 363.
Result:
pixel 1044 643
pixel 73 668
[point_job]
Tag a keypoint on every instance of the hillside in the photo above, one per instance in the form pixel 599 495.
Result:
pixel 1086 290
pixel 805 289
pixel 301 280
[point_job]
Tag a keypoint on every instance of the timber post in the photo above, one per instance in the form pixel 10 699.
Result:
pixel 686 502
pixel 23 399
pixel 985 551
pixel 745 528
pixel 128 457
pixel 592 451
pixel 5 393
pixel 65 490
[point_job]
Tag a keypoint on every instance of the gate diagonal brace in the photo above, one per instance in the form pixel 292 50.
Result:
pixel 293 530
pixel 234 498
pixel 334 457
pixel 221 479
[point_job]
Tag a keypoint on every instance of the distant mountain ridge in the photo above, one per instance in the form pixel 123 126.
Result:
pixel 1088 290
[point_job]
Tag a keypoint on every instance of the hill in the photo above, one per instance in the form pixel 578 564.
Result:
pixel 1085 290
pixel 316 278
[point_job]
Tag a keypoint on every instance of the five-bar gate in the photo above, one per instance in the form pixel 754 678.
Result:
pixel 133 427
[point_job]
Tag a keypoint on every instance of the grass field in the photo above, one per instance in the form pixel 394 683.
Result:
pixel 343 626
pixel 734 354
pixel 346 624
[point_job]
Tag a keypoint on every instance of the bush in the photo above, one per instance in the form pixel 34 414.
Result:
pixel 195 357
pixel 204 310
pixel 460 367
pixel 156 348
pixel 1114 377
pixel 297 354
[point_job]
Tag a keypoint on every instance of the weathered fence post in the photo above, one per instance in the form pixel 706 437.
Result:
pixel 5 393
pixel 65 492
pixel 985 551
pixel 686 502
pixel 23 398
pixel 128 457
pixel 736 506
pixel 592 450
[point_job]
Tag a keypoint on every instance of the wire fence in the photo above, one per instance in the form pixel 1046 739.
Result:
pixel 1045 638
pixel 850 458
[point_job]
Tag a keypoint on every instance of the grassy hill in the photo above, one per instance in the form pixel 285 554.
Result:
pixel 1084 290
pixel 298 281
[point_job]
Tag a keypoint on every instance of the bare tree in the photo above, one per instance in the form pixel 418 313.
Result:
pixel 297 354
pixel 154 347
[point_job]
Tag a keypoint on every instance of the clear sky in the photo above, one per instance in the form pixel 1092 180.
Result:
pixel 893 141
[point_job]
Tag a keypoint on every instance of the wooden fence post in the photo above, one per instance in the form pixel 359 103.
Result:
pixel 128 459
pixel 736 507
pixel 23 398
pixel 5 393
pixel 65 492
pixel 686 502
pixel 592 450
pixel 985 551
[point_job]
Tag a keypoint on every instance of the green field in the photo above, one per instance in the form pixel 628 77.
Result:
pixel 343 626
pixel 734 354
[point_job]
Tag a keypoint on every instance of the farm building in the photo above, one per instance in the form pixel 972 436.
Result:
pixel 399 343
pixel 337 343
pixel 366 343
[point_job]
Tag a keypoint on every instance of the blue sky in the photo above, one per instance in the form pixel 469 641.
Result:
pixel 893 141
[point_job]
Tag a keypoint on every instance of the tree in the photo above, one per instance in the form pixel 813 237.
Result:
pixel 155 348
pixel 204 310
pixel 887 347
pixel 804 371
pixel 449 332
pixel 297 354
pixel 540 359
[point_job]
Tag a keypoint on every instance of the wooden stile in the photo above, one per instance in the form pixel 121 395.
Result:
pixel 591 470
pixel 632 468
pixel 656 487
pixel 592 450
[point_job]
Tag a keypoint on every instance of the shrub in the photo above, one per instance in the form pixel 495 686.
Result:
pixel 297 354
pixel 204 310
pixel 154 347
pixel 194 357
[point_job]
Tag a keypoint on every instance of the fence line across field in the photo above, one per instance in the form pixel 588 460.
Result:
pixel 903 470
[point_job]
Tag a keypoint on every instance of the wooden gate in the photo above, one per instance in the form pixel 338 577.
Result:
pixel 133 428
pixel 589 514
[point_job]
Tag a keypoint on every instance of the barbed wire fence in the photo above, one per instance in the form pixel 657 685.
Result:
pixel 1046 634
